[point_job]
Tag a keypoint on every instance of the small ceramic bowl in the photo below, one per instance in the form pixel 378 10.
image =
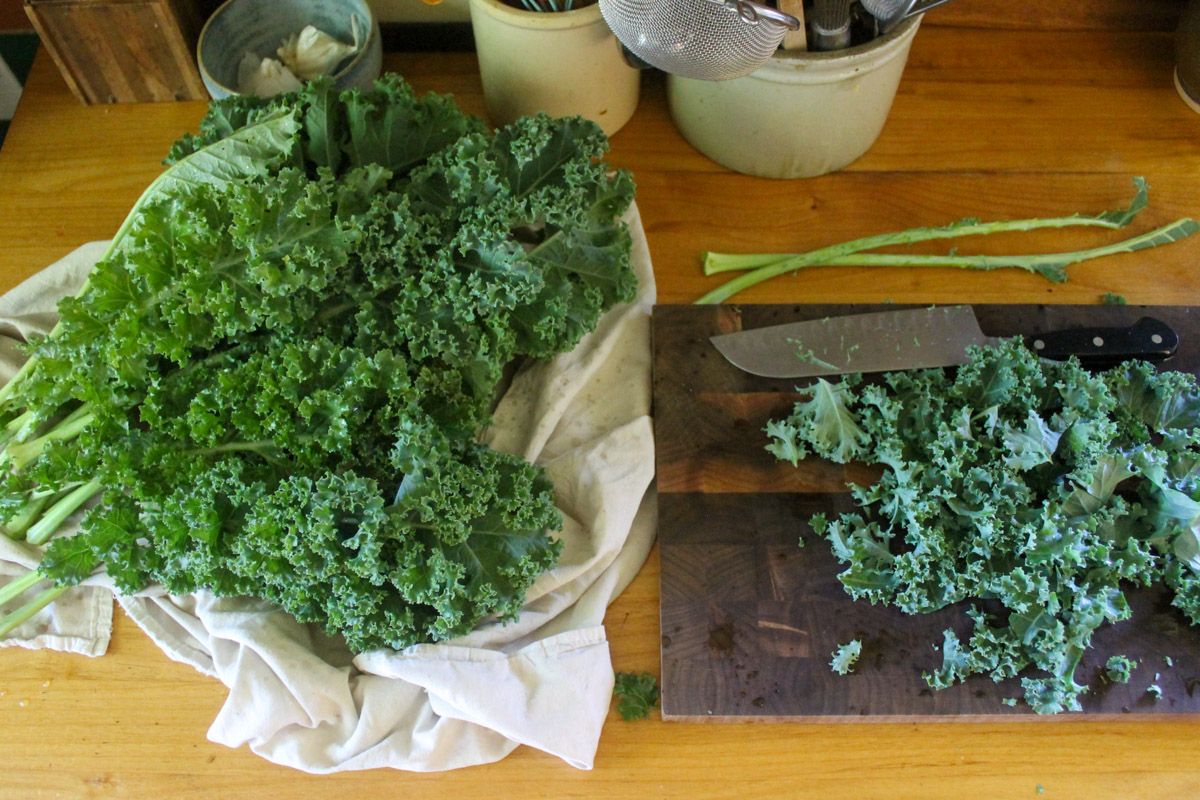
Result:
pixel 238 27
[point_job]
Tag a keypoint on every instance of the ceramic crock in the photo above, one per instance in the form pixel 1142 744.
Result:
pixel 799 115
pixel 565 63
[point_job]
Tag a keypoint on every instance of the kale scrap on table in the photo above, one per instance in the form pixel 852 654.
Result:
pixel 636 694
pixel 275 378
pixel 1020 481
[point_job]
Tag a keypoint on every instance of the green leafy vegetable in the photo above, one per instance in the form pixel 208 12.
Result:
pixel 273 382
pixel 845 656
pixel 636 694
pixel 1052 266
pixel 828 424
pixel 1032 491
pixel 807 356
pixel 1119 669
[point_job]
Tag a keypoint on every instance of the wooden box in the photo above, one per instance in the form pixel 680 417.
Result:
pixel 124 51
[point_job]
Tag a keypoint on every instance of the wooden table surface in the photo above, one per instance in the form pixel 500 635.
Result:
pixel 992 123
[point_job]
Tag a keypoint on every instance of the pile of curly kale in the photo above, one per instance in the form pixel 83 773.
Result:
pixel 1019 481
pixel 273 382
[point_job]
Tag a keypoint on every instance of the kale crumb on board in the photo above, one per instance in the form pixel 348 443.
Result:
pixel 1119 669
pixel 845 657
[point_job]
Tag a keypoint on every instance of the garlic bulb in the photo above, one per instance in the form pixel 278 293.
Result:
pixel 265 77
pixel 313 53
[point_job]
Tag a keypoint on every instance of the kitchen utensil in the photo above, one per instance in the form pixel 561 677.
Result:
pixel 889 13
pixel 919 338
pixel 709 40
pixel 750 620
pixel 829 25
pixel 794 40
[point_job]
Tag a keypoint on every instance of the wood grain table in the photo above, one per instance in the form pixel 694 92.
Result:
pixel 1000 114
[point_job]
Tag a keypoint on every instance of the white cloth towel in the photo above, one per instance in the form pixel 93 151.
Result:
pixel 300 698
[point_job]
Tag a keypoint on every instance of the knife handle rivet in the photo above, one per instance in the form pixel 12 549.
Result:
pixel 1038 344
pixel 1099 342
pixel 1156 338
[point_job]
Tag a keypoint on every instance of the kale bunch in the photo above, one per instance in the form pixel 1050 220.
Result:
pixel 273 382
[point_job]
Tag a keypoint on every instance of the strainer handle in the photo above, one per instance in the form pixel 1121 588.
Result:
pixel 752 12
pixel 921 6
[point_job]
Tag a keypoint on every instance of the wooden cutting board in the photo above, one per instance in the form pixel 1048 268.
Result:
pixel 750 619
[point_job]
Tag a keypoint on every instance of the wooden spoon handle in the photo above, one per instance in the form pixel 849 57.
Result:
pixel 794 40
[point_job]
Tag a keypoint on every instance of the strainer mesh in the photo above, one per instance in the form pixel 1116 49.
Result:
pixel 703 39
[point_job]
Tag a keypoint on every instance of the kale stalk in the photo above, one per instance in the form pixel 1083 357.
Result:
pixel 1052 266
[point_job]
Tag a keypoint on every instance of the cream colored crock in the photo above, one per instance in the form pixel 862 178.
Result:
pixel 564 63
pixel 799 115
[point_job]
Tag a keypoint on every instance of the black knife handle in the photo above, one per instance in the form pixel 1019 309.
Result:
pixel 1148 339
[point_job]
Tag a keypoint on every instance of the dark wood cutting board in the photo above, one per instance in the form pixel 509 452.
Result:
pixel 750 618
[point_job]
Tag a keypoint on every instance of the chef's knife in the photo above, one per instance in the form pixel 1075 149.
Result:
pixel 921 338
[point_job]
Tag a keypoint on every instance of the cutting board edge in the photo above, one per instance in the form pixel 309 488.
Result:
pixel 940 719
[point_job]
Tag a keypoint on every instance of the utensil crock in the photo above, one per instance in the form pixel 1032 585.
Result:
pixel 801 114
pixel 565 63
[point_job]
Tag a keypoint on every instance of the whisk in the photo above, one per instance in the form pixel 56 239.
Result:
pixel 710 40
pixel 829 25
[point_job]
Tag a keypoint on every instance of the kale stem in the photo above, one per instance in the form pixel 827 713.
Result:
pixel 17 428
pixel 17 587
pixel 44 528
pixel 724 262
pixel 715 263
pixel 22 453
pixel 1171 232
pixel 7 390
pixel 9 623
pixel 14 426
pixel 19 522
pixel 337 310
pixel 233 447
pixel 1049 265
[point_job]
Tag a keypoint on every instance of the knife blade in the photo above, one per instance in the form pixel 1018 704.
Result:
pixel 920 338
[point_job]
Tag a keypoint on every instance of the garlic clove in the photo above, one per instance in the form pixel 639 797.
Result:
pixel 265 77
pixel 313 53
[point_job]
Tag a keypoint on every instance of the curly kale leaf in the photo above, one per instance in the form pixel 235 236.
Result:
pixel 636 694
pixel 1119 669
pixel 339 130
pixel 824 422
pixel 1029 485
pixel 845 656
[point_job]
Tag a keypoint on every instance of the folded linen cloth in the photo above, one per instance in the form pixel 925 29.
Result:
pixel 300 698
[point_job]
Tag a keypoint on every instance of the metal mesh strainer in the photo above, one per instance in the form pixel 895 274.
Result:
pixel 710 40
